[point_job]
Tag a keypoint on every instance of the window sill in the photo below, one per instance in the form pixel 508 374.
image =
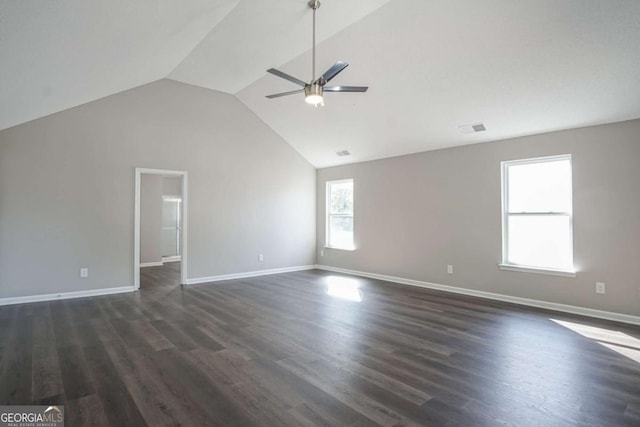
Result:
pixel 536 270
pixel 339 248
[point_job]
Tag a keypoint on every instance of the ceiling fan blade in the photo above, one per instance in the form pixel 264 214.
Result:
pixel 286 76
pixel 278 95
pixel 345 88
pixel 334 71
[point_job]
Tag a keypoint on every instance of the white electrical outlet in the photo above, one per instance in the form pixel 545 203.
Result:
pixel 84 272
pixel 321 252
pixel 260 257
pixel 450 269
pixel 600 287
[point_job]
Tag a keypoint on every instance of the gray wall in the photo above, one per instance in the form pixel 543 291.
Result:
pixel 151 190
pixel 67 189
pixel 415 214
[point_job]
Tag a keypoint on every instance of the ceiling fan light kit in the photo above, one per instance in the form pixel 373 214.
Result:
pixel 313 94
pixel 314 91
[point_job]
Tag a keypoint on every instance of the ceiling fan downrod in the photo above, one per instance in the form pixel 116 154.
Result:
pixel 313 4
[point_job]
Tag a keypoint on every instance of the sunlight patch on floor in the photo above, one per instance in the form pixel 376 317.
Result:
pixel 344 288
pixel 617 341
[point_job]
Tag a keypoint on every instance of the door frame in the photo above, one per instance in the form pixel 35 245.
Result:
pixel 136 222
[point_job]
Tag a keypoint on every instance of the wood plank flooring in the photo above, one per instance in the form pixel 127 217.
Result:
pixel 281 351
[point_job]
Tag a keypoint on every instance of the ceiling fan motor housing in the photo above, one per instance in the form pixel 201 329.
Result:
pixel 313 93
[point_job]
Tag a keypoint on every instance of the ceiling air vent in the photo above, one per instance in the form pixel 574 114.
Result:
pixel 473 128
pixel 343 153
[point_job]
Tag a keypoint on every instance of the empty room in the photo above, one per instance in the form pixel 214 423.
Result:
pixel 320 213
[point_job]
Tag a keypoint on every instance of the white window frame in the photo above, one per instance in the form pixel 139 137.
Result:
pixel 505 264
pixel 330 215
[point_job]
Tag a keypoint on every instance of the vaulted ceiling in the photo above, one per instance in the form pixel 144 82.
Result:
pixel 519 66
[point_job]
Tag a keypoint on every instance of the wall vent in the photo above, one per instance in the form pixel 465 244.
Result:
pixel 343 153
pixel 472 128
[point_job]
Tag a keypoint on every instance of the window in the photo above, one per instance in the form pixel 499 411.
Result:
pixel 537 215
pixel 340 214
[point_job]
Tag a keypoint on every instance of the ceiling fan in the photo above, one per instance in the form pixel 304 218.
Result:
pixel 313 91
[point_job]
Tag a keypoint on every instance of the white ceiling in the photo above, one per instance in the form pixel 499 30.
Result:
pixel 59 54
pixel 519 66
pixel 261 34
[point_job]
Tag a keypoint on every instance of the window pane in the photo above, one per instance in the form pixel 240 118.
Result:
pixel 341 232
pixel 540 241
pixel 342 197
pixel 540 187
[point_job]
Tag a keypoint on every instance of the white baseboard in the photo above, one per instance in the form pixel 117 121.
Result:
pixel 256 273
pixel 174 258
pixel 151 264
pixel 590 312
pixel 65 295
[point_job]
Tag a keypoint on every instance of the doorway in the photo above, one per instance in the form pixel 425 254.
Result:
pixel 173 228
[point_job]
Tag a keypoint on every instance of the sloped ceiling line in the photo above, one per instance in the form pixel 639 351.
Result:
pixel 221 17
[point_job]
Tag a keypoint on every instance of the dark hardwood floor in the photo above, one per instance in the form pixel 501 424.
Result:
pixel 283 350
